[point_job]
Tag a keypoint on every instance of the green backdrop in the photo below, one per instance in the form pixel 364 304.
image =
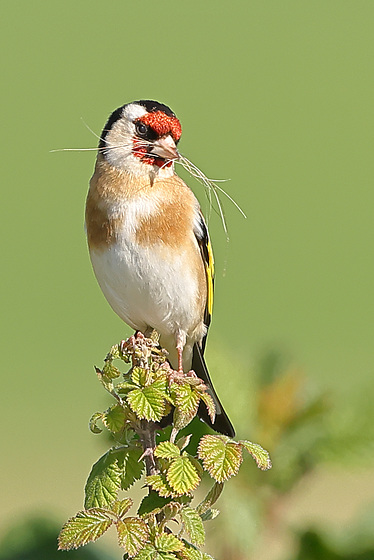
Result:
pixel 275 95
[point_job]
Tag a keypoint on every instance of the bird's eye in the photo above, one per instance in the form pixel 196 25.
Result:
pixel 141 128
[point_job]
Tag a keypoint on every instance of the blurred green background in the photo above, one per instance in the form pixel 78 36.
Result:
pixel 276 96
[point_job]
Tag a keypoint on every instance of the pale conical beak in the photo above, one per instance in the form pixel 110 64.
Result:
pixel 165 148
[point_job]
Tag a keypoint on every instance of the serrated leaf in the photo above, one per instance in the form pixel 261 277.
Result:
pixel 125 387
pixel 115 417
pixel 132 534
pixel 183 442
pixel 207 557
pixel 104 482
pixel 182 475
pixel 131 466
pixel 209 403
pixel 121 507
pixel 146 553
pixel 167 450
pixel 139 376
pixel 104 380
pixel 187 400
pixel 180 420
pixel 159 483
pixel 194 381
pixel 210 514
pixel 166 542
pixel 109 370
pixel 211 498
pixel 193 525
pixel 87 526
pixel 160 383
pixel 152 503
pixel 171 510
pixel 196 463
pixel 147 403
pixel 190 553
pixel 221 456
pixel 260 455
pixel 113 353
pixel 93 423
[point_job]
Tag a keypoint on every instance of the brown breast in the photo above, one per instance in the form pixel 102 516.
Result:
pixel 171 223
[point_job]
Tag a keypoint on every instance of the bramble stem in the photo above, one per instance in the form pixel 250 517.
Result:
pixel 147 437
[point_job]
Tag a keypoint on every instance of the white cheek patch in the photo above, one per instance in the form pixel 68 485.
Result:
pixel 120 145
pixel 120 136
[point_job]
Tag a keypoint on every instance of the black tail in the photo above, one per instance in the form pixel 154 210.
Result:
pixel 221 423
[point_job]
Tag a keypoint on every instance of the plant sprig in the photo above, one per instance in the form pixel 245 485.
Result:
pixel 147 395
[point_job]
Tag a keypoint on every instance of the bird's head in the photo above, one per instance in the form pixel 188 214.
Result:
pixel 141 138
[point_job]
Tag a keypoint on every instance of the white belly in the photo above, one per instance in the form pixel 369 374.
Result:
pixel 150 287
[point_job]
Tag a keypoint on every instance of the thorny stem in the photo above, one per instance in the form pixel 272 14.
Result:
pixel 141 350
pixel 147 437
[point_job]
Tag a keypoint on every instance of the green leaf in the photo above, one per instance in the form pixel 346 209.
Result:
pixel 152 503
pixel 209 403
pixel 207 557
pixel 146 553
pixel 132 534
pixel 125 387
pixel 180 420
pixel 196 463
pixel 191 553
pixel 221 456
pixel 115 417
pixel 147 403
pixel 113 354
pixel 166 542
pixel 104 482
pixel 167 450
pixel 211 498
pixel 159 483
pixel 171 510
pixel 118 468
pixel 183 442
pixel 182 475
pixel 105 381
pixel 93 423
pixel 121 507
pixel 131 466
pixel 161 384
pixel 109 370
pixel 193 525
pixel 87 526
pixel 139 376
pixel 209 514
pixel 186 399
pixel 260 455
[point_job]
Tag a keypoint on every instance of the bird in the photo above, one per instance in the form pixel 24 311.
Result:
pixel 148 241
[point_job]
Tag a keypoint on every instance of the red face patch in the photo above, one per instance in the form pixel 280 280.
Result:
pixel 162 124
pixel 142 153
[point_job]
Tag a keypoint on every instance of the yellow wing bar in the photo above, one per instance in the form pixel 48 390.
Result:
pixel 203 240
pixel 209 266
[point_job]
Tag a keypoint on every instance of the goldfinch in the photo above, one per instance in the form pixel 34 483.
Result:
pixel 148 241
